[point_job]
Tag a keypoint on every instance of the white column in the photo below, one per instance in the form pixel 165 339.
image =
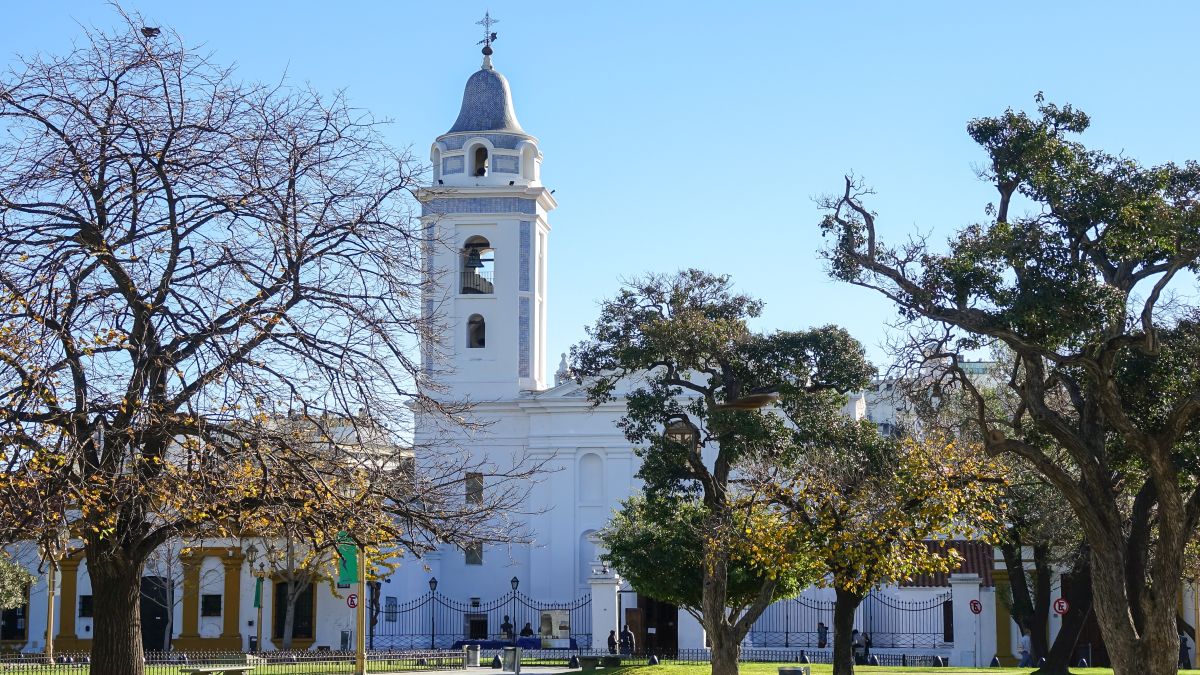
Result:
pixel 605 585
pixel 691 631
pixel 963 589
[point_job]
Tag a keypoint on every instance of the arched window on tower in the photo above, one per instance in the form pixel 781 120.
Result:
pixel 528 159
pixel 478 266
pixel 476 332
pixel 479 161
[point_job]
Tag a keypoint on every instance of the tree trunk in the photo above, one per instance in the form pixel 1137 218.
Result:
pixel 1018 581
pixel 1079 595
pixel 726 650
pixel 843 627
pixel 1039 623
pixel 726 644
pixel 1151 648
pixel 117 622
pixel 289 614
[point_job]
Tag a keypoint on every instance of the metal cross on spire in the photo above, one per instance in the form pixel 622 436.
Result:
pixel 488 36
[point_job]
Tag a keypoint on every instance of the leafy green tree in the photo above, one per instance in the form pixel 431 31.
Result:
pixel 1074 274
pixel 14 583
pixel 1036 515
pixel 658 545
pixel 695 368
pixel 867 505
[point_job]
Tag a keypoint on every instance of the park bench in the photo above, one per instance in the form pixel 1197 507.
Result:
pixel 231 669
pixel 794 670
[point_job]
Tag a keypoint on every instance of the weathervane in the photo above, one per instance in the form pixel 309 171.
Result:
pixel 488 36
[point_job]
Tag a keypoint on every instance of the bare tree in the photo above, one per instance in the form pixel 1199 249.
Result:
pixel 185 259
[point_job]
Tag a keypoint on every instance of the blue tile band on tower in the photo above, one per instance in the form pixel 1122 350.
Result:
pixel 523 263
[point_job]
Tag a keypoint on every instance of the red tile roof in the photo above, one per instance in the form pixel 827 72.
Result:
pixel 978 558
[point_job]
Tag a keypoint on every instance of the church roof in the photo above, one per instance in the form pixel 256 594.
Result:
pixel 487 104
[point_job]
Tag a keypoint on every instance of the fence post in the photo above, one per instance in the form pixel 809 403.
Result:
pixel 605 585
pixel 964 588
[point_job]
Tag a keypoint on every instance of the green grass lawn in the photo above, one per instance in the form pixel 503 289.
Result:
pixel 315 668
pixel 666 669
pixel 825 669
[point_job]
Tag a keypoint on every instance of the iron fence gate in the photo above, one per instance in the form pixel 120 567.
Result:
pixel 893 622
pixel 792 623
pixel 434 621
pixel 890 622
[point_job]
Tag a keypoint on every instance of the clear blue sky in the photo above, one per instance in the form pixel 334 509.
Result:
pixel 685 134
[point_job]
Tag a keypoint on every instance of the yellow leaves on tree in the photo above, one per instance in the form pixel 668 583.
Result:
pixel 868 510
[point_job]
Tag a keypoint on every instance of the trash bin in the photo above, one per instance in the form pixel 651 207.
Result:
pixel 472 656
pixel 511 660
pixel 253 643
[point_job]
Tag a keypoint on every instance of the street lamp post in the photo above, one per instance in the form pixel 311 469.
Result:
pixel 512 607
pixel 50 612
pixel 54 551
pixel 432 613
pixel 360 616
pixel 259 575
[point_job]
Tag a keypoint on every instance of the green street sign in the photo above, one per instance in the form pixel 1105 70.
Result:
pixel 348 560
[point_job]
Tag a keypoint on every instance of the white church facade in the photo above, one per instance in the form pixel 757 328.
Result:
pixel 487 215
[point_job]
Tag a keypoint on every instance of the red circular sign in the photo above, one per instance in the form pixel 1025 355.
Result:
pixel 976 607
pixel 352 600
pixel 1062 606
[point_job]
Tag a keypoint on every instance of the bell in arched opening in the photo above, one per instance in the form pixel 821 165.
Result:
pixel 478 261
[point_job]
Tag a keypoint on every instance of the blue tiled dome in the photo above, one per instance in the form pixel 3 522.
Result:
pixel 487 105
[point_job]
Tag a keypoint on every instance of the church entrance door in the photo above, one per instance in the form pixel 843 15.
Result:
pixel 655 624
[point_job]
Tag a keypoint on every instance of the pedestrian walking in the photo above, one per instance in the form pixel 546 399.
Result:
pixel 1026 649
pixel 612 641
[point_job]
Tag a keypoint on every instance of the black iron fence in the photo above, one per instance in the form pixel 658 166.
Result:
pixel 890 621
pixel 434 621
pixel 561 658
pixel 896 623
pixel 331 663
pixel 280 663
pixel 699 656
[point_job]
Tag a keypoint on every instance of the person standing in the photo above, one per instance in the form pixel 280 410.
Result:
pixel 1026 649
pixel 822 635
pixel 612 641
pixel 627 644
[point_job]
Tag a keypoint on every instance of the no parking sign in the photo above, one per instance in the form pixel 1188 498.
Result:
pixel 1061 606
pixel 976 607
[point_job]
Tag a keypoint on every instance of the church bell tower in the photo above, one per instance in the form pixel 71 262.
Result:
pixel 485 219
